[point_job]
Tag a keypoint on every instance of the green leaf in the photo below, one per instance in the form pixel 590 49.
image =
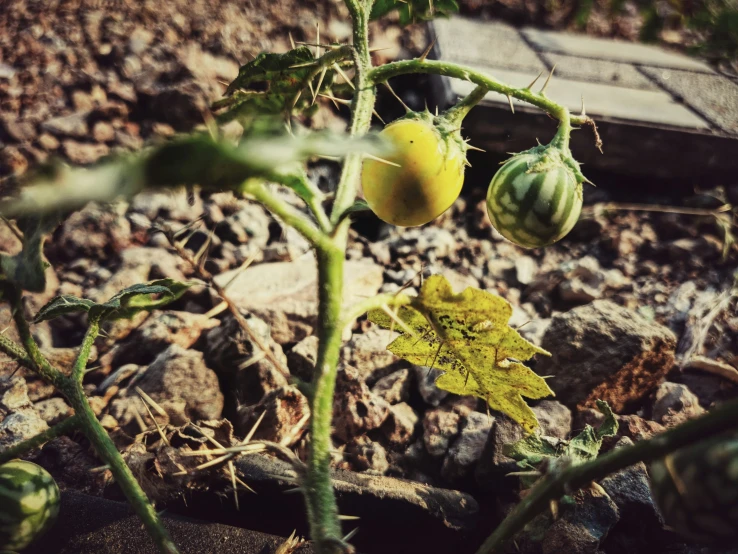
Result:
pixel 412 11
pixel 467 336
pixel 274 84
pixel 125 304
pixel 26 269
pixel 531 451
pixel 63 305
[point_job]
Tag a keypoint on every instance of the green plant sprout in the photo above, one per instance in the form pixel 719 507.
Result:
pixel 465 335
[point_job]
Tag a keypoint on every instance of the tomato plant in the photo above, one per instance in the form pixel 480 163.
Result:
pixel 411 172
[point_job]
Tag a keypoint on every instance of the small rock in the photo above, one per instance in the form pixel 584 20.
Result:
pixel 581 528
pixel 554 418
pixel 395 387
pixel 367 455
pixel 83 153
pixel 630 489
pixel 583 281
pixel 432 242
pixel 636 428
pixel 426 380
pixel 368 353
pixel 284 408
pixel 139 40
pixel 525 270
pixel 103 131
pixel 74 125
pixel 301 358
pixel 674 403
pixel 53 410
pixel 535 329
pixel 357 409
pixel 18 418
pixel 158 332
pixel 440 427
pixel 181 375
pixel 467 449
pixel 249 224
pixel 19 131
pixel 12 161
pixel 399 427
pixel 48 142
pixel 494 465
pixel 603 351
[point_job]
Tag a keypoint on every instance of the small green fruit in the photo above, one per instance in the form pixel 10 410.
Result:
pixel 29 503
pixel 536 197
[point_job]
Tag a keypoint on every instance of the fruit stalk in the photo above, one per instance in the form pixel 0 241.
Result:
pixel 558 483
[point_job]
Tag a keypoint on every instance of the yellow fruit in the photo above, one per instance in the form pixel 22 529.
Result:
pixel 428 179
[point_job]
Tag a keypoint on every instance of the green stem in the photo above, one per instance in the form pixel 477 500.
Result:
pixel 19 449
pixel 291 216
pixel 362 107
pixel 38 361
pixel 374 303
pixel 555 485
pixel 385 72
pixel 325 527
pixel 456 114
pixel 78 370
pixel 15 351
pixel 108 452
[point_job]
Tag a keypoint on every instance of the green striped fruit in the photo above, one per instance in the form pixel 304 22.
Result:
pixel 696 490
pixel 29 503
pixel 536 197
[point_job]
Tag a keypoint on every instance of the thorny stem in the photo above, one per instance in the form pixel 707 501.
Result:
pixel 325 527
pixel 19 449
pixel 457 113
pixel 385 72
pixel 71 388
pixel 362 107
pixel 557 484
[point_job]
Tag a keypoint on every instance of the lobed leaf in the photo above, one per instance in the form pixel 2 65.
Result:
pixel 467 336
pixel 63 305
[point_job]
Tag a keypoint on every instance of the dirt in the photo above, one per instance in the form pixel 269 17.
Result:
pixel 80 81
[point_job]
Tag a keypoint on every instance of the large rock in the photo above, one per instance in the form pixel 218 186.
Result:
pixel 179 375
pixel 284 409
pixel 603 351
pixel 467 449
pixel 285 294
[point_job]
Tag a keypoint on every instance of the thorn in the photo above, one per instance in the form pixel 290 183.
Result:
pixel 470 147
pixel 347 518
pixel 379 117
pixel 253 428
pixel 584 113
pixel 293 490
pixel 512 108
pixel 317 40
pixel 372 50
pixel 292 41
pixel 548 79
pixel 397 320
pixel 156 423
pixel 440 345
pixel 342 74
pixel 427 51
pixel 320 83
pixel 534 81
pixel 334 99
pixel 256 358
pixel 467 377
pixel 350 535
pixel 375 158
pixel 396 96
pixel 436 111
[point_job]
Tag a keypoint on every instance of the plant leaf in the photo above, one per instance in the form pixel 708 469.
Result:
pixel 467 336
pixel 125 304
pixel 532 450
pixel 62 305
pixel 412 11
pixel 273 84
